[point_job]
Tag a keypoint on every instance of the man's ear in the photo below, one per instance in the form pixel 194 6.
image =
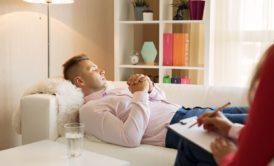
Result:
pixel 78 81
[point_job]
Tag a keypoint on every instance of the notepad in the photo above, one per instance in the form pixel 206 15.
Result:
pixel 194 134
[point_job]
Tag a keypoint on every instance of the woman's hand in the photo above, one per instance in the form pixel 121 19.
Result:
pixel 215 121
pixel 221 147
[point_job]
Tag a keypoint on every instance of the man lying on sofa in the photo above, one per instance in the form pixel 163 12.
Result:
pixel 133 116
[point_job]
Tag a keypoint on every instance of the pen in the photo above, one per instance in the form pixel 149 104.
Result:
pixel 183 123
pixel 215 111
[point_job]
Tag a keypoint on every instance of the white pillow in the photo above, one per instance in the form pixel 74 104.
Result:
pixel 69 98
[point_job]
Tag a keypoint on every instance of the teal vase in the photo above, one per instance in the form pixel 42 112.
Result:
pixel 149 52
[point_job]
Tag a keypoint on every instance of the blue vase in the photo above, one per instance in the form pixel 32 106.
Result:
pixel 149 52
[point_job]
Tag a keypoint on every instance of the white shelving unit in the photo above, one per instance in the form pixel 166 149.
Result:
pixel 130 35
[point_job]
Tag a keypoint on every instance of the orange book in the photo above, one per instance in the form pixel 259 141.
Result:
pixel 180 49
pixel 186 49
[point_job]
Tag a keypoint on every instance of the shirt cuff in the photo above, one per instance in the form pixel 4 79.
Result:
pixel 227 159
pixel 140 96
pixel 234 131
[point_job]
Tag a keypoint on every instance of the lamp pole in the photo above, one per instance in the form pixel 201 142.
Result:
pixel 48 3
pixel 48 26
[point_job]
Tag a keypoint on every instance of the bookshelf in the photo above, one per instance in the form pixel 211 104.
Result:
pixel 130 35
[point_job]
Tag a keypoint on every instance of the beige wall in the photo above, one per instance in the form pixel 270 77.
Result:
pixel 87 26
pixel 83 27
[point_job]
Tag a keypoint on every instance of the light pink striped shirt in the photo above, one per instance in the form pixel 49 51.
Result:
pixel 116 116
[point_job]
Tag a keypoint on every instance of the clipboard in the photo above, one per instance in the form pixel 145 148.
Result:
pixel 195 134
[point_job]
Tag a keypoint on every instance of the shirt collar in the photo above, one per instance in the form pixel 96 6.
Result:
pixel 98 94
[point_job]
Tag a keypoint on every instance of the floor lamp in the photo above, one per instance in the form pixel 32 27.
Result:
pixel 48 3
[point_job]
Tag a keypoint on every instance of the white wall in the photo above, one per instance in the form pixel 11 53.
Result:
pixel 75 28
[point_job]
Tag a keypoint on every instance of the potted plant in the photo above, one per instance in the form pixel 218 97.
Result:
pixel 139 7
pixel 147 15
pixel 182 12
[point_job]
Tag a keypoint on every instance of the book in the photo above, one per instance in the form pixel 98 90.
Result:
pixel 180 49
pixel 186 49
pixel 195 134
pixel 168 49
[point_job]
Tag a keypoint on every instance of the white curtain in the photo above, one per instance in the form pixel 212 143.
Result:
pixel 243 29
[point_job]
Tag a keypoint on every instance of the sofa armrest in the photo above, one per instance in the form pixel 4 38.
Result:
pixel 38 117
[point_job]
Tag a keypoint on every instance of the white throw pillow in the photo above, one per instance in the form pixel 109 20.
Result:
pixel 69 98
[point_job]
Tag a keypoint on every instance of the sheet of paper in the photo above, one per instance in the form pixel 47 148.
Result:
pixel 194 134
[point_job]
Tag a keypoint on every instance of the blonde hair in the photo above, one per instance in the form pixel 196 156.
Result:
pixel 256 76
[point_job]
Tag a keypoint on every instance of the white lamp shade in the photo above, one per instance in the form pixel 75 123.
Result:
pixel 50 1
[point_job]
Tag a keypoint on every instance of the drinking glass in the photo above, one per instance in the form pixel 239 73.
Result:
pixel 74 133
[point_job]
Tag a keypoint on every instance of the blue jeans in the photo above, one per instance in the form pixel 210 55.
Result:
pixel 192 155
pixel 234 114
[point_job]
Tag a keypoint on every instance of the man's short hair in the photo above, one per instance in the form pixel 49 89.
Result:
pixel 69 67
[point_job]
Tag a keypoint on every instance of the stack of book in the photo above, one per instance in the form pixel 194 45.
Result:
pixel 176 49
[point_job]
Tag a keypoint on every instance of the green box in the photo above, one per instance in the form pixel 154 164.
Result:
pixel 167 80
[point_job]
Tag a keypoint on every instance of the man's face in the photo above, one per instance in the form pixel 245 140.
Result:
pixel 92 77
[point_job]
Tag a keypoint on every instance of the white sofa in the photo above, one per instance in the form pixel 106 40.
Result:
pixel 40 111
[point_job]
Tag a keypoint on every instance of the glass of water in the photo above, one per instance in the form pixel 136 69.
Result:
pixel 74 133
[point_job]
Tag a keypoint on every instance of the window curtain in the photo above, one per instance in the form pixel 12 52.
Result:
pixel 243 29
